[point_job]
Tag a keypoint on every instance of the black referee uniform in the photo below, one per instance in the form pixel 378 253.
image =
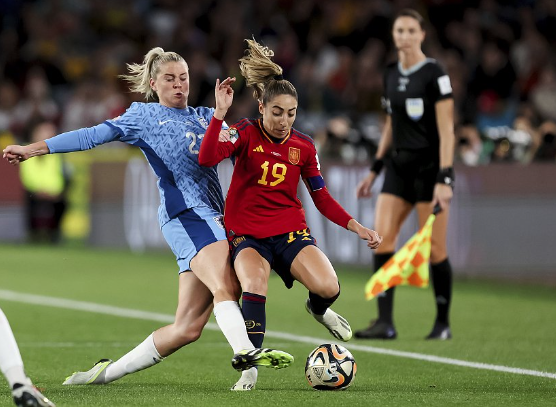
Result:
pixel 412 171
pixel 409 98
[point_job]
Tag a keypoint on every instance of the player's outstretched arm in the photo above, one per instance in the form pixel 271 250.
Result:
pixel 16 154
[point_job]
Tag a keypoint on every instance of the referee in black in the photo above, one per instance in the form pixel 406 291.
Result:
pixel 419 134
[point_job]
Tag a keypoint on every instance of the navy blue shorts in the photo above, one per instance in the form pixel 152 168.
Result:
pixel 280 251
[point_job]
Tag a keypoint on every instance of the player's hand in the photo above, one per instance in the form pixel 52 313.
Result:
pixel 224 95
pixel 363 189
pixel 373 239
pixel 15 154
pixel 224 135
pixel 442 196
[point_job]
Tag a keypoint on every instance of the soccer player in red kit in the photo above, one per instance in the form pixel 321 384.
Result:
pixel 263 217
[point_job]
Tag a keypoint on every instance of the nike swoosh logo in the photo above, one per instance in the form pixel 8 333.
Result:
pixel 161 122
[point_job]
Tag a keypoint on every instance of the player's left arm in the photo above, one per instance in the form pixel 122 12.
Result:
pixel 328 206
pixel 334 212
pixel 443 191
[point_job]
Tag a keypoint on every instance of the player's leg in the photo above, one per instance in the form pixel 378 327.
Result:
pixel 194 307
pixel 11 364
pixel 198 239
pixel 213 266
pixel 441 270
pixel 391 212
pixel 312 268
pixel 253 270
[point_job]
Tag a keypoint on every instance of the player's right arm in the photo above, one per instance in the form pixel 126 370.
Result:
pixel 77 140
pixel 363 189
pixel 211 151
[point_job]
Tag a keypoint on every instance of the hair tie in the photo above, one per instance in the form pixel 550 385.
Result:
pixel 278 77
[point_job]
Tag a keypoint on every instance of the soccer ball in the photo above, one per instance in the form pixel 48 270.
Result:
pixel 330 367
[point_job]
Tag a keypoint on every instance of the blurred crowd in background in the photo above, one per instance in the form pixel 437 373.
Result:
pixel 60 61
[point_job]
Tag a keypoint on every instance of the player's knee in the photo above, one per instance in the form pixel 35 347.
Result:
pixel 327 288
pixel 256 285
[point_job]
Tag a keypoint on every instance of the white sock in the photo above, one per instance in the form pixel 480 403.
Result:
pixel 10 358
pixel 141 357
pixel 250 374
pixel 230 320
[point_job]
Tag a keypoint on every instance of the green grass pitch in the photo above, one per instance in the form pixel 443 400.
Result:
pixel 498 324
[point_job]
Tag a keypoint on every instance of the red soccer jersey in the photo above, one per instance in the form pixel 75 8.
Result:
pixel 262 199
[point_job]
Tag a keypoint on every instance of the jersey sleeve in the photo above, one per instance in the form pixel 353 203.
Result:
pixel 82 139
pixel 328 206
pixel 213 151
pixel 207 113
pixel 384 101
pixel 128 125
pixel 440 86
pixel 324 202
pixel 311 168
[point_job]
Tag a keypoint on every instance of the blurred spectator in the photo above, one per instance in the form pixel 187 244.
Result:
pixel 35 105
pixel 491 88
pixel 63 57
pixel 469 146
pixel 543 95
pixel 547 148
pixel 9 96
pixel 45 182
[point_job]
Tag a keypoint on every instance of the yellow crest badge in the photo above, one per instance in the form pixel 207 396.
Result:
pixel 294 155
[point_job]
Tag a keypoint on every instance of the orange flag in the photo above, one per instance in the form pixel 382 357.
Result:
pixel 408 266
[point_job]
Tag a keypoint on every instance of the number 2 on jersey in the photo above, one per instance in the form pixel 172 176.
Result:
pixel 278 172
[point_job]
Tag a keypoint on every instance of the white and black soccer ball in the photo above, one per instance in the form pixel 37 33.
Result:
pixel 330 367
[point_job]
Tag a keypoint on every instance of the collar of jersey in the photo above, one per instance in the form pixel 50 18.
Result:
pixel 414 68
pixel 269 137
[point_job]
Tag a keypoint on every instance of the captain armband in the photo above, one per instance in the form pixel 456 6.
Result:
pixel 316 183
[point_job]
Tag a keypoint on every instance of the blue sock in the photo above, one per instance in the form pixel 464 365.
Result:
pixel 254 314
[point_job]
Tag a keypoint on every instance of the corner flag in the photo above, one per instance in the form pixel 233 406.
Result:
pixel 408 266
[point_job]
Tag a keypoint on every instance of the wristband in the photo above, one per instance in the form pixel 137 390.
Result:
pixel 446 176
pixel 377 166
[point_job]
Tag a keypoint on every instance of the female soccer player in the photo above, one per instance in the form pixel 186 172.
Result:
pixel 264 218
pixel 190 213
pixel 419 130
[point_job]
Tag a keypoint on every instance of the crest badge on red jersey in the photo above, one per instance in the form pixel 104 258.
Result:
pixel 294 155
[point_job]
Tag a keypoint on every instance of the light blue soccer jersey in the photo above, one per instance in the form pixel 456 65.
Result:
pixel 170 139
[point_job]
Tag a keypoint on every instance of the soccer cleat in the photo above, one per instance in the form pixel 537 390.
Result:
pixel 247 381
pixel 94 376
pixel 26 395
pixel 337 325
pixel 377 330
pixel 440 331
pixel 246 359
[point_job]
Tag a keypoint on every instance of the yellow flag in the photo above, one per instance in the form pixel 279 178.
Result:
pixel 408 266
